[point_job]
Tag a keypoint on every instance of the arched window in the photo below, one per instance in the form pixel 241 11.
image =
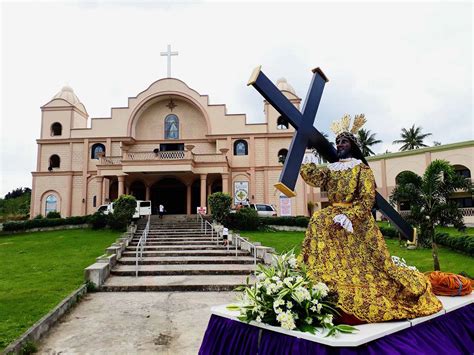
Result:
pixel 282 153
pixel 171 127
pixel 282 123
pixel 241 147
pixel 54 161
pixel 96 149
pixel 462 171
pixel 56 129
pixel 51 204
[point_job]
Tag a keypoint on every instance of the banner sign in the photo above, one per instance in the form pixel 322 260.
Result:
pixel 285 206
pixel 241 192
pixel 201 210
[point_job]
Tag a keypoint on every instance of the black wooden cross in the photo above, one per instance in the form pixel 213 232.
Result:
pixel 307 136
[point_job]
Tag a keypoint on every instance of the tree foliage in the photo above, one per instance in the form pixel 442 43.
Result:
pixel 411 138
pixel 18 192
pixel 429 198
pixel 219 204
pixel 124 208
pixel 367 139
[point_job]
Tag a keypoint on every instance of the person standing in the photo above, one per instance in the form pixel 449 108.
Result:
pixel 161 210
pixel 225 236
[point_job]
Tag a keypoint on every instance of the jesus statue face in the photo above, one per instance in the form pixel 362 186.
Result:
pixel 344 148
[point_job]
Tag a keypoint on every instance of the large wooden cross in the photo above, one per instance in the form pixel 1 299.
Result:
pixel 307 136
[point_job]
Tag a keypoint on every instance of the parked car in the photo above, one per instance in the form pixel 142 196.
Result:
pixel 264 210
pixel 143 209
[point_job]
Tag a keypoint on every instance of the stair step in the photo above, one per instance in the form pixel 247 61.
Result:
pixel 180 283
pixel 196 269
pixel 179 247
pixel 188 260
pixel 188 253
pixel 174 242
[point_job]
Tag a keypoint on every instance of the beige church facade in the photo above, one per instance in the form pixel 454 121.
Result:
pixel 170 146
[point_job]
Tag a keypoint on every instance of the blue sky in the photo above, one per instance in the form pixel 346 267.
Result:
pixel 400 63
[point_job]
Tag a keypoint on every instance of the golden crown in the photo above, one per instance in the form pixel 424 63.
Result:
pixel 344 123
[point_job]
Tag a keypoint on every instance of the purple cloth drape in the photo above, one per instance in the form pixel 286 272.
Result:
pixel 451 334
pixel 225 336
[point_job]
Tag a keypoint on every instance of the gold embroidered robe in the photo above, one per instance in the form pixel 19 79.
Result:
pixel 358 265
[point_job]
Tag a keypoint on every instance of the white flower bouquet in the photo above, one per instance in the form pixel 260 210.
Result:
pixel 283 295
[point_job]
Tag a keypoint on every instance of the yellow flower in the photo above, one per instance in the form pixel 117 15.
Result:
pixel 321 245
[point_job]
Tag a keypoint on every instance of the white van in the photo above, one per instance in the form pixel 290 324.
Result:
pixel 143 209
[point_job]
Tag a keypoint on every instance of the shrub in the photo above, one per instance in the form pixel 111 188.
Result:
pixel 464 243
pixel 388 232
pixel 298 221
pixel 98 220
pixel 244 219
pixel 43 222
pixel 53 214
pixel 124 208
pixel 39 216
pixel 219 204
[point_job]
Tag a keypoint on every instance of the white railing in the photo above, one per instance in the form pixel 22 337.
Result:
pixel 110 160
pixel 205 225
pixel 252 246
pixel 165 155
pixel 235 237
pixel 141 245
pixel 467 211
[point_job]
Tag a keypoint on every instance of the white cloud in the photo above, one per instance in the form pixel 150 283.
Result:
pixel 400 63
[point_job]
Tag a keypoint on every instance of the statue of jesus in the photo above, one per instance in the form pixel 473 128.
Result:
pixel 344 248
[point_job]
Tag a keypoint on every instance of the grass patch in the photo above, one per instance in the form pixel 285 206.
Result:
pixel 439 229
pixel 450 260
pixel 38 270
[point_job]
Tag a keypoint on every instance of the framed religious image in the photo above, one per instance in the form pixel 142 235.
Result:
pixel 241 192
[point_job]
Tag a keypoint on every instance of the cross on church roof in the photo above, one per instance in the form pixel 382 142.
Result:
pixel 168 54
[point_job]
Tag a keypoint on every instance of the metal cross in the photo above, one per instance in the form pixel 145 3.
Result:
pixel 307 136
pixel 168 54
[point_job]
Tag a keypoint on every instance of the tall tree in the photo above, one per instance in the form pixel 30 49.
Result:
pixel 428 196
pixel 412 138
pixel 367 139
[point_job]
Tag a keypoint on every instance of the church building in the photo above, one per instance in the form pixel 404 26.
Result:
pixel 167 145
pixel 170 146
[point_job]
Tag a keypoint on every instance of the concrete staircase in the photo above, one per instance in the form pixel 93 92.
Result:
pixel 178 256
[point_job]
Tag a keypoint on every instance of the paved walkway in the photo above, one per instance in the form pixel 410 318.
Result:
pixel 135 323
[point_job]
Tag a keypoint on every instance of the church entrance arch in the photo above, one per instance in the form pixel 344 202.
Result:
pixel 138 189
pixel 171 193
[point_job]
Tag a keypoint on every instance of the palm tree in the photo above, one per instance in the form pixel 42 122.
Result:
pixel 428 196
pixel 366 140
pixel 412 138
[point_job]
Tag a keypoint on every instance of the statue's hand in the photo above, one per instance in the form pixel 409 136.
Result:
pixel 344 222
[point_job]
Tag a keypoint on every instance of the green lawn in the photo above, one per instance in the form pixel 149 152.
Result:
pixel 450 260
pixel 449 230
pixel 38 270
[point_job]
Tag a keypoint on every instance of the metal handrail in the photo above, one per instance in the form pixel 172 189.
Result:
pixel 204 225
pixel 242 240
pixel 141 245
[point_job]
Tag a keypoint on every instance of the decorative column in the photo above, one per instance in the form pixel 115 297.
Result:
pixel 188 198
pixel 225 183
pixel 105 190
pixel 203 190
pixel 121 185
pixel 100 190
pixel 147 192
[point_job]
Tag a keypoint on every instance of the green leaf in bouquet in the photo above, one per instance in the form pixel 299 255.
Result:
pixel 332 331
pixel 233 307
pixel 244 319
pixel 307 328
pixel 344 328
